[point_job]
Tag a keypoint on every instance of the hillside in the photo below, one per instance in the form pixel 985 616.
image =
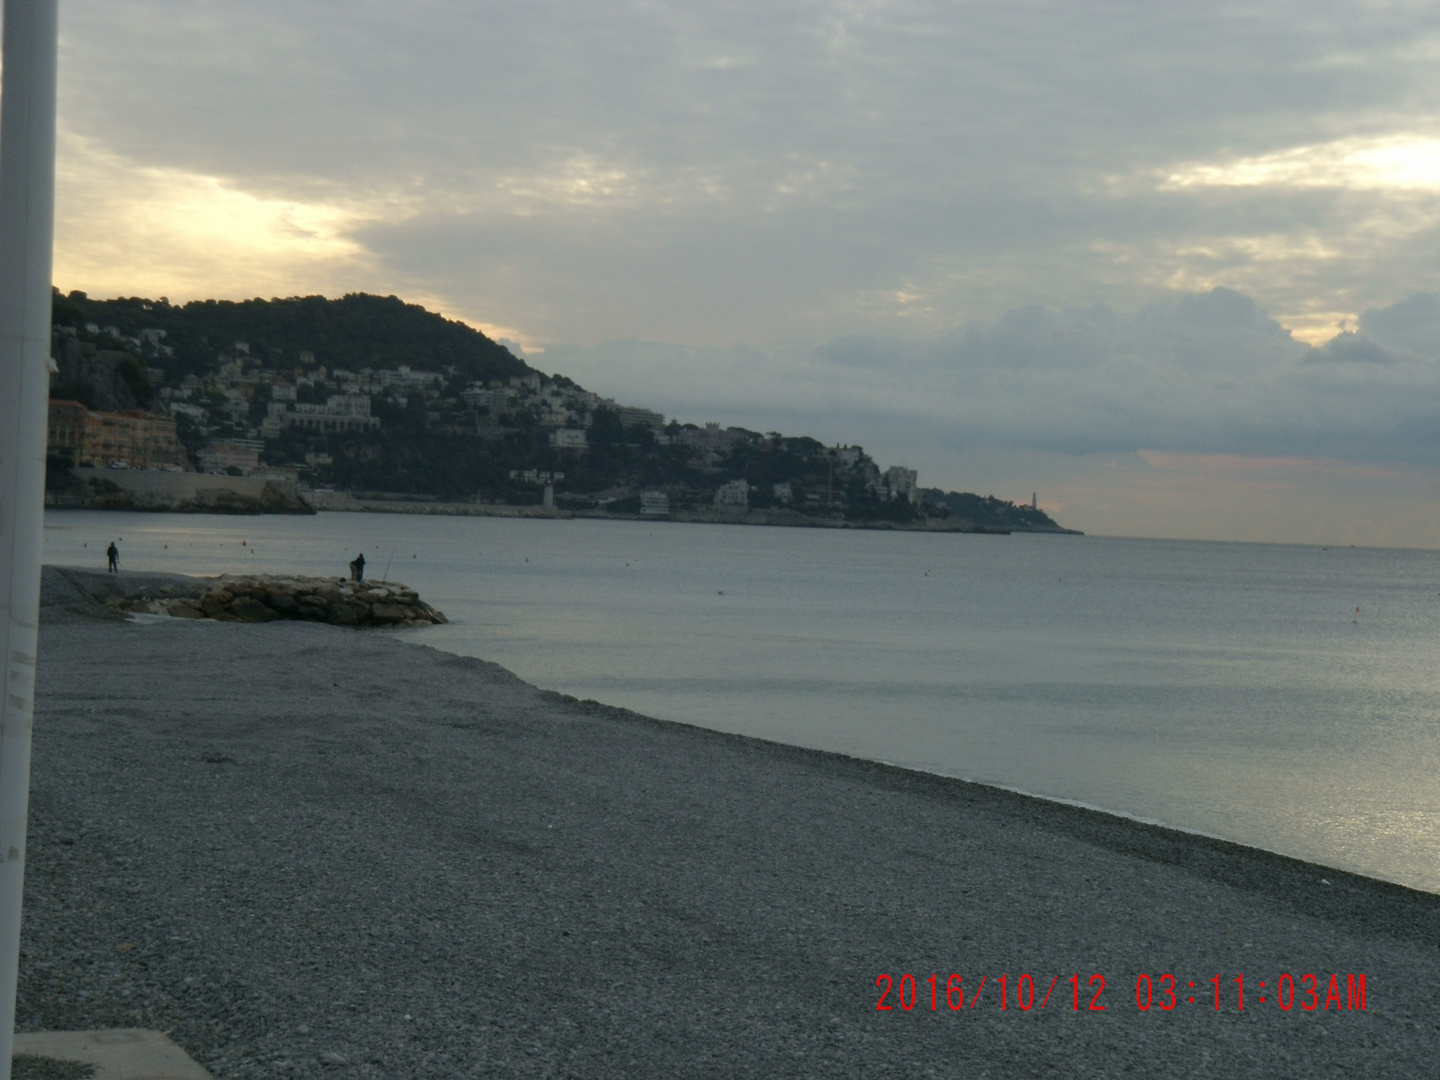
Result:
pixel 355 331
pixel 993 513
pixel 374 396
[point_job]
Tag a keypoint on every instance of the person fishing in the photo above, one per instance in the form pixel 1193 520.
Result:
pixel 112 553
pixel 357 568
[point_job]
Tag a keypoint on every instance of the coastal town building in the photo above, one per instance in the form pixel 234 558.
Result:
pixel 735 493
pixel 536 476
pixel 221 457
pixel 403 378
pixel 196 413
pixel 711 437
pixel 342 412
pixel 568 439
pixel 131 439
pixel 634 416
pixel 903 483
pixel 495 400
pixel 654 503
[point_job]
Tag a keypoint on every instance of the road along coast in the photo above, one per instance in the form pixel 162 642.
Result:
pixel 307 851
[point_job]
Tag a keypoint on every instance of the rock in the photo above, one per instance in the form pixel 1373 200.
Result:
pixel 262 598
pixel 341 615
pixel 388 614
pixel 281 601
pixel 248 609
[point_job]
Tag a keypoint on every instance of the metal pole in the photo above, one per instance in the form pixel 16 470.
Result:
pixel 27 226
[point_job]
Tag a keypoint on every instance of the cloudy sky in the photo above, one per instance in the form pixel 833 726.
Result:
pixel 1174 266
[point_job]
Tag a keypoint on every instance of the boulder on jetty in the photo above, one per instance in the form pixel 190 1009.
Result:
pixel 251 597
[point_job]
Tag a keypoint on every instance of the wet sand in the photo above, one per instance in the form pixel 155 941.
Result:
pixel 304 850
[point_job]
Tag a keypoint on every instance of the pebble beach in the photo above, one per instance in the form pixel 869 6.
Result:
pixel 310 850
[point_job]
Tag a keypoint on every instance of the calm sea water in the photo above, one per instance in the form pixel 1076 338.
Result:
pixel 1285 697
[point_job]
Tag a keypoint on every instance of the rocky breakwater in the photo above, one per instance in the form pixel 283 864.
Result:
pixel 264 598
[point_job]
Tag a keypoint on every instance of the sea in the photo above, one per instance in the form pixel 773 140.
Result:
pixel 1285 697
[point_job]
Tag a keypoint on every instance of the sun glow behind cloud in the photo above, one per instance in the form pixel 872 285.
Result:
pixel 127 229
pixel 1395 163
pixel 124 228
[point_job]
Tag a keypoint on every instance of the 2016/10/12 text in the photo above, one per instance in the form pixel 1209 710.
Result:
pixel 1164 993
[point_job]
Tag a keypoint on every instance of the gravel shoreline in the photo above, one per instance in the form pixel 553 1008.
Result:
pixel 308 851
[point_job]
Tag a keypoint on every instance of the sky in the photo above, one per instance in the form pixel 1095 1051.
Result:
pixel 1174 267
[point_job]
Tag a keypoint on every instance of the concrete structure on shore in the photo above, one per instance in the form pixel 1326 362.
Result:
pixel 134 489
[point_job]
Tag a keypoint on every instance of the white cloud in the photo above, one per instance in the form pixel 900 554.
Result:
pixel 1392 163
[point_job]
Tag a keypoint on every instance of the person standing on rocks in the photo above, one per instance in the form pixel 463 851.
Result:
pixel 357 568
pixel 113 554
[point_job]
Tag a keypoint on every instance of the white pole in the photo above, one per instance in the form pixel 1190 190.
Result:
pixel 27 227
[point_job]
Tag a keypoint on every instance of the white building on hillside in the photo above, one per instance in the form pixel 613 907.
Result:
pixel 902 482
pixel 568 439
pixel 342 412
pixel 735 493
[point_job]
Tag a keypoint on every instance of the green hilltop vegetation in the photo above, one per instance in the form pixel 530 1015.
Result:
pixel 355 331
pixel 376 397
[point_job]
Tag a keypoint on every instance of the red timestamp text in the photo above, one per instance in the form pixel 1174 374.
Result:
pixel 1303 993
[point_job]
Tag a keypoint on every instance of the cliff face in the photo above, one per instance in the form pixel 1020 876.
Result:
pixel 106 380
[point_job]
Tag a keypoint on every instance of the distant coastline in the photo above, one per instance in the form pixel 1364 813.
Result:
pixel 406 504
